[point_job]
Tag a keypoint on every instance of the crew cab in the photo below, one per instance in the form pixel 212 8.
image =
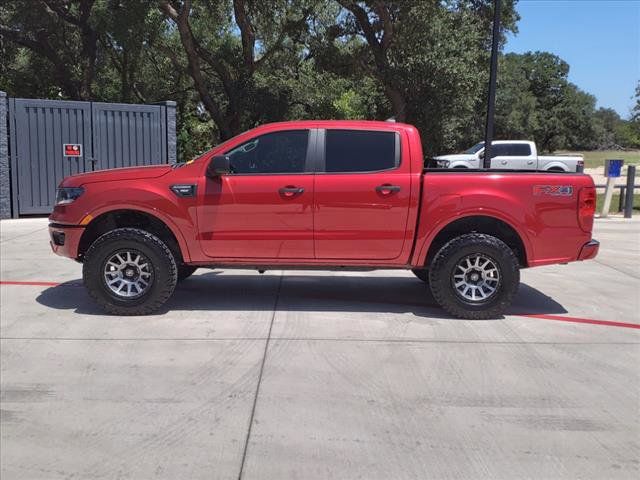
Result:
pixel 514 155
pixel 320 194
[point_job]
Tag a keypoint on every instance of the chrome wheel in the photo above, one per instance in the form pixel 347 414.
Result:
pixel 128 274
pixel 476 278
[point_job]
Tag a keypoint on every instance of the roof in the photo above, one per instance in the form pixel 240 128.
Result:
pixel 345 123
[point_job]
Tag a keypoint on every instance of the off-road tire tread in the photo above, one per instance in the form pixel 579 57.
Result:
pixel 162 291
pixel 439 280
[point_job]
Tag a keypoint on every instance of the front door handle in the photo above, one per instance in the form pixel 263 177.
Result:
pixel 290 191
pixel 387 189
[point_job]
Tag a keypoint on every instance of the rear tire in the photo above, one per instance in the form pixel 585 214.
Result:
pixel 129 271
pixel 421 273
pixel 474 276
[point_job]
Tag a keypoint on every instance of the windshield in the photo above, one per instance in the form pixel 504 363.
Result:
pixel 475 148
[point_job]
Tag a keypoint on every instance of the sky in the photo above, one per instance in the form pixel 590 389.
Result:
pixel 599 39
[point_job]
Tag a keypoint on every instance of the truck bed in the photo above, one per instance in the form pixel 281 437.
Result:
pixel 541 207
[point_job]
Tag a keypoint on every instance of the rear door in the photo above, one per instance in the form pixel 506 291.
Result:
pixel 362 195
pixel 513 156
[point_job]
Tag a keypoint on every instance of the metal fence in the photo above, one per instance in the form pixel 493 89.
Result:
pixel 102 136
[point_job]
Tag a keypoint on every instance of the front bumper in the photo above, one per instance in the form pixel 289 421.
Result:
pixel 589 250
pixel 65 239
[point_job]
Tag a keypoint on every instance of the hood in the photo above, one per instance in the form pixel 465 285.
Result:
pixel 457 156
pixel 115 174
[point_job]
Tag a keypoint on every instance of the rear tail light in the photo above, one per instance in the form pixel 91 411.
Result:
pixel 586 208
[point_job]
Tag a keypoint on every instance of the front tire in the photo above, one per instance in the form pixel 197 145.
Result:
pixel 129 271
pixel 474 276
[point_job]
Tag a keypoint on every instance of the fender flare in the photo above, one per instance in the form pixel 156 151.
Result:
pixel 423 249
pixel 177 233
pixel 459 164
pixel 561 165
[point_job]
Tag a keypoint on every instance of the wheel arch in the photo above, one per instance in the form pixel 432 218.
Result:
pixel 137 218
pixel 460 164
pixel 487 224
pixel 556 167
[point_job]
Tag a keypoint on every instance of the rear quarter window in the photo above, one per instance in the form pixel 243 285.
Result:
pixel 521 149
pixel 360 151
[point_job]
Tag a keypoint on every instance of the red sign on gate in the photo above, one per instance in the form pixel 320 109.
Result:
pixel 72 150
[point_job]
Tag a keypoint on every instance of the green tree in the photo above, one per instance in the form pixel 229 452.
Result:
pixel 233 64
pixel 536 101
pixel 516 113
pixel 628 132
pixel 132 71
pixel 225 57
pixel 428 58
pixel 635 111
pixel 61 37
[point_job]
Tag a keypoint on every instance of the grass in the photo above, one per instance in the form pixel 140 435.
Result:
pixel 615 201
pixel 597 157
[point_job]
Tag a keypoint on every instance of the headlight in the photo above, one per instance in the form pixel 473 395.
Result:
pixel 66 195
pixel 443 163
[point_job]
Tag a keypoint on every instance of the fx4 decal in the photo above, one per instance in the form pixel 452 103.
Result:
pixel 553 190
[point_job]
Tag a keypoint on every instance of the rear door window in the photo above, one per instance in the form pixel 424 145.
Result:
pixel 519 150
pixel 360 151
pixel 511 150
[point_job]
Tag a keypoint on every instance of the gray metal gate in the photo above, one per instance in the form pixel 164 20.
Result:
pixel 128 135
pixel 110 134
pixel 38 130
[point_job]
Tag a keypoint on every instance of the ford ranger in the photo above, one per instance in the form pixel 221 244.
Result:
pixel 320 194
pixel 512 154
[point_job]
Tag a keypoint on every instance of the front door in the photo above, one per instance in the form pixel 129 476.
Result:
pixel 362 196
pixel 263 209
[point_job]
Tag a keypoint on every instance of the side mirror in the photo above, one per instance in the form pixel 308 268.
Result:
pixel 219 165
pixel 481 155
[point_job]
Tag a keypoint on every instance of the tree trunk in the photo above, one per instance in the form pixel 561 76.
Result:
pixel 398 103
pixel 88 62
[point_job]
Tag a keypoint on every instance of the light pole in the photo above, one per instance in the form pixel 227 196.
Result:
pixel 493 71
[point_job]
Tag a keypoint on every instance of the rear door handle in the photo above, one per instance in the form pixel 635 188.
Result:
pixel 290 191
pixel 387 189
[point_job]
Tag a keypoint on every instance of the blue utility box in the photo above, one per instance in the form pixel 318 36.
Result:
pixel 613 168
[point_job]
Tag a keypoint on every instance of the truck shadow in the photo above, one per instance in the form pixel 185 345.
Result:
pixel 298 292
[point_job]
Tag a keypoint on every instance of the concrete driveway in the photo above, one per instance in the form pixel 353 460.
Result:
pixel 320 375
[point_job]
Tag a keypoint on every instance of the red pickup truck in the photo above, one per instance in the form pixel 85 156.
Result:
pixel 320 194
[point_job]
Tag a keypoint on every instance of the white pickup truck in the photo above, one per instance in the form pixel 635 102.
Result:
pixel 512 154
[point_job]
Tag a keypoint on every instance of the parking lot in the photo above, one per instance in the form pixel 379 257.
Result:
pixel 320 374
